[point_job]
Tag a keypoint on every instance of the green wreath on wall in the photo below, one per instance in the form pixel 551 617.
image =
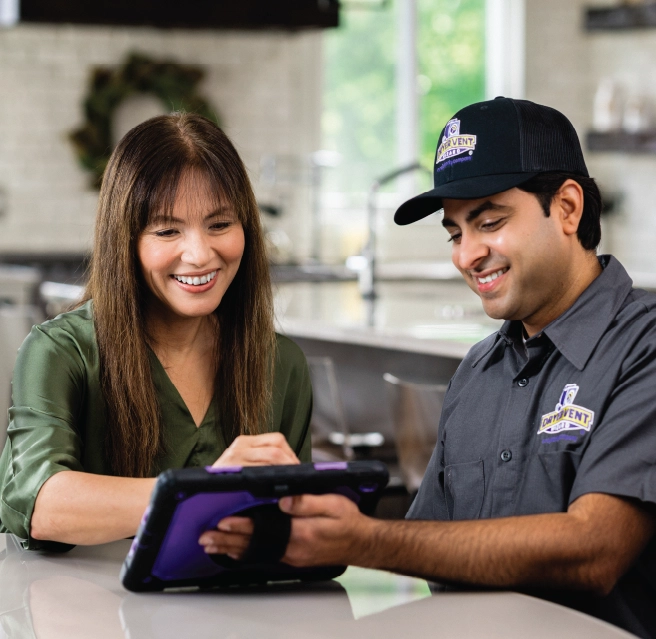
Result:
pixel 174 84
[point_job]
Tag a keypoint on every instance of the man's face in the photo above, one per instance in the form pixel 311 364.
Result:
pixel 513 256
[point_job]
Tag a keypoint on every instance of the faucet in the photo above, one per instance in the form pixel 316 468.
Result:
pixel 366 265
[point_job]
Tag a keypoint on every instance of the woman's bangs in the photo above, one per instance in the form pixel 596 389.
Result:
pixel 224 193
pixel 159 197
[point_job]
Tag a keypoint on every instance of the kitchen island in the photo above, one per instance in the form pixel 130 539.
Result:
pixel 418 331
pixel 77 595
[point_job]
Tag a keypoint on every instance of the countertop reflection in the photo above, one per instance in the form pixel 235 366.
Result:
pixel 78 595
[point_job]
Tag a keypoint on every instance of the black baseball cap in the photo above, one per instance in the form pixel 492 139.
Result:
pixel 490 147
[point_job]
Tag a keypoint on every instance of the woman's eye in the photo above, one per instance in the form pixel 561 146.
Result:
pixel 165 232
pixel 220 226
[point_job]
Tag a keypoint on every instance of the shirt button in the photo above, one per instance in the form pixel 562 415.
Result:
pixel 522 382
pixel 506 455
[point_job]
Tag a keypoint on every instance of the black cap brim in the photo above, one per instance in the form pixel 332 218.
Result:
pixel 473 188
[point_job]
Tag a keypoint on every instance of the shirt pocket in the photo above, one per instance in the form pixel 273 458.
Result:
pixel 548 482
pixel 465 489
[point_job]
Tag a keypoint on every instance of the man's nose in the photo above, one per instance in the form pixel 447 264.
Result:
pixel 196 250
pixel 471 251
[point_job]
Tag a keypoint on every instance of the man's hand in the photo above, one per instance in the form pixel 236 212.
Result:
pixel 326 530
pixel 587 548
pixel 269 449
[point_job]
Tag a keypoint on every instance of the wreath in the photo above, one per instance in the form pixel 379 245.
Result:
pixel 174 84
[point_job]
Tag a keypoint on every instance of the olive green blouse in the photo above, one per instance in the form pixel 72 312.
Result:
pixel 57 420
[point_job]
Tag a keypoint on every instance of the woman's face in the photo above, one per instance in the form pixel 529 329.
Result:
pixel 189 261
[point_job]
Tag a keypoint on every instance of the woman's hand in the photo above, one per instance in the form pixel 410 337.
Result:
pixel 232 537
pixel 269 449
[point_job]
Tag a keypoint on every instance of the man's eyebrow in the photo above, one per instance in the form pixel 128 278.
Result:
pixel 488 205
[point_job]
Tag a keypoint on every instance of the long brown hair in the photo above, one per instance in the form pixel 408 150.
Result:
pixel 141 180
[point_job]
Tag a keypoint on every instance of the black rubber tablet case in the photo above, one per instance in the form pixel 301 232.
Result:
pixel 186 502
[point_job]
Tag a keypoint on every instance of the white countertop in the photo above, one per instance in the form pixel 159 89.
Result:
pixel 433 317
pixel 78 595
pixel 434 312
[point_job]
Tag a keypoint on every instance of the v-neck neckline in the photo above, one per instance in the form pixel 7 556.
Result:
pixel 209 413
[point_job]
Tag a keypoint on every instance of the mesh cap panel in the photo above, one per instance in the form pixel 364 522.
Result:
pixel 548 141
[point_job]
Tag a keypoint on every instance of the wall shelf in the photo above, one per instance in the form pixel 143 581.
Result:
pixel 198 14
pixel 643 142
pixel 621 18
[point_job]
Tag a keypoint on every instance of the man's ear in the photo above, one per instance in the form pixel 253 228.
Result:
pixel 567 205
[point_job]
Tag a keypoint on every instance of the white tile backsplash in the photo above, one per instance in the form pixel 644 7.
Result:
pixel 266 87
pixel 564 67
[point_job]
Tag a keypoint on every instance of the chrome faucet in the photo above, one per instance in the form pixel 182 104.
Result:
pixel 366 265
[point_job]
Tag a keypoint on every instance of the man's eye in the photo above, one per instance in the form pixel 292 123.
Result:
pixel 490 225
pixel 454 238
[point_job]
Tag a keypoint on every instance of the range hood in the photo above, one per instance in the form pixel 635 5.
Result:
pixel 193 14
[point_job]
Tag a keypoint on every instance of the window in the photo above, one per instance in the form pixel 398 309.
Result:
pixel 360 111
pixel 359 118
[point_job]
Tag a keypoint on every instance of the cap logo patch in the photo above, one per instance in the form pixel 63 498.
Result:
pixel 567 416
pixel 454 143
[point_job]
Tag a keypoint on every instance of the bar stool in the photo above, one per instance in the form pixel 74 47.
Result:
pixel 328 418
pixel 332 439
pixel 416 410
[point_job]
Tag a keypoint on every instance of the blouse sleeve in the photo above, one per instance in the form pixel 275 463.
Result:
pixel 292 398
pixel 48 390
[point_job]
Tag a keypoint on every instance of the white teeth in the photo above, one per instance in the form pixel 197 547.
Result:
pixel 491 277
pixel 196 281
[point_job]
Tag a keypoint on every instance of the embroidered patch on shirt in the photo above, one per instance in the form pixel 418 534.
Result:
pixel 567 416
pixel 453 143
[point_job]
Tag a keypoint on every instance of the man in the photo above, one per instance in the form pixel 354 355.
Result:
pixel 543 478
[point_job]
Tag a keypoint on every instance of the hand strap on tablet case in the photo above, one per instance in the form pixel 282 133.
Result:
pixel 270 536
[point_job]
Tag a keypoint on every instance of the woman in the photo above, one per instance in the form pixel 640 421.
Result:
pixel 170 361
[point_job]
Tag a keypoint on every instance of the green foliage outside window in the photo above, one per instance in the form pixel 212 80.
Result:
pixel 359 85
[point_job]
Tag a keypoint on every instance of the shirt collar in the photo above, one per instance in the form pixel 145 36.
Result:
pixel 494 340
pixel 578 330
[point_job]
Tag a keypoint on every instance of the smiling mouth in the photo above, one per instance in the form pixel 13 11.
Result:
pixel 491 277
pixel 196 281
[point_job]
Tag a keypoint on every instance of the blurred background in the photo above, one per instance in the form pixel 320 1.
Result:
pixel 322 98
pixel 335 107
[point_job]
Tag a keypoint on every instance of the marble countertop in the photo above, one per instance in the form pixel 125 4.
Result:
pixel 77 595
pixel 421 308
pixel 441 318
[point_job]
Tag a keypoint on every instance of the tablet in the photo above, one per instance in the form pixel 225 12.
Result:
pixel 186 502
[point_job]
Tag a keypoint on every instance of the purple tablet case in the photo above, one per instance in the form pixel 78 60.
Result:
pixel 166 554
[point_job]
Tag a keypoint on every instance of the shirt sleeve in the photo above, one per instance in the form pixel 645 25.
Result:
pixel 620 458
pixel 42 438
pixel 292 398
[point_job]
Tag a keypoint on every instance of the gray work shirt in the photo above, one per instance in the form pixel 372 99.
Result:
pixel 528 427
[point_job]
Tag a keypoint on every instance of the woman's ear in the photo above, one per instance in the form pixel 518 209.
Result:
pixel 567 205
